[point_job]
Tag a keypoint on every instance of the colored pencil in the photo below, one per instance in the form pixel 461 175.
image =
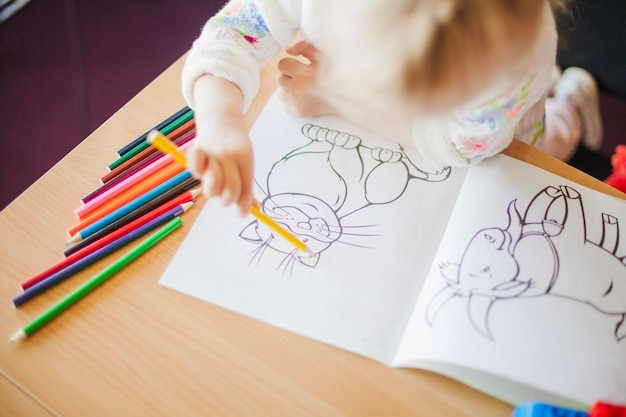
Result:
pixel 160 126
pixel 116 234
pixel 134 204
pixel 126 197
pixel 143 145
pixel 95 256
pixel 95 281
pixel 177 195
pixel 149 153
pixel 122 174
pixel 143 176
pixel 161 142
pixel 269 222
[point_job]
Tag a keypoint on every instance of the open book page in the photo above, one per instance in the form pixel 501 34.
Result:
pixel 372 212
pixel 529 284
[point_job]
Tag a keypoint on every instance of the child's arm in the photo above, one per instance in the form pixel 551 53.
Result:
pixel 221 155
pixel 232 47
pixel 236 42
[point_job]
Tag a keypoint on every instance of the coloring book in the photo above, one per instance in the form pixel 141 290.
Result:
pixel 503 276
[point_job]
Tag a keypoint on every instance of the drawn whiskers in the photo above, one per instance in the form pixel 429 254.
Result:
pixel 257 254
pixel 349 234
pixel 287 264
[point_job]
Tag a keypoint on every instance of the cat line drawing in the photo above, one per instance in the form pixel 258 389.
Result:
pixel 543 251
pixel 354 175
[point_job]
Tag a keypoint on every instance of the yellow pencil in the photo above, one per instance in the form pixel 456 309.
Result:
pixel 162 143
pixel 262 217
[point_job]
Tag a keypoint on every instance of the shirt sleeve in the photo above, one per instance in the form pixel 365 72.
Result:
pixel 466 136
pixel 237 41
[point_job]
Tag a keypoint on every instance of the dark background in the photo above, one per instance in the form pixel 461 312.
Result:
pixel 68 65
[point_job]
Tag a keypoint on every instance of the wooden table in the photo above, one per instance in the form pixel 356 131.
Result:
pixel 135 348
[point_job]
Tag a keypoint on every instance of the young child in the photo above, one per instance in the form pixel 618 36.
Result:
pixel 458 80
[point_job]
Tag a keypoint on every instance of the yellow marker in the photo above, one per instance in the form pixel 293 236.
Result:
pixel 162 143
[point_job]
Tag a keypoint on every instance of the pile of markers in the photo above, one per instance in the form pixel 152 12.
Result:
pixel 144 190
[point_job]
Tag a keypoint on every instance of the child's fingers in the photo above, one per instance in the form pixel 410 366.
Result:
pixel 207 184
pixel 244 208
pixel 244 203
pixel 197 161
pixel 295 76
pixel 215 160
pixel 289 67
pixel 305 49
pixel 285 83
pixel 232 183
pixel 213 179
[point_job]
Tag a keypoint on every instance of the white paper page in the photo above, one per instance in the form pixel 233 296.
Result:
pixel 563 334
pixel 373 212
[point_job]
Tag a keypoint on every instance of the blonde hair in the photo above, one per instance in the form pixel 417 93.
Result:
pixel 426 46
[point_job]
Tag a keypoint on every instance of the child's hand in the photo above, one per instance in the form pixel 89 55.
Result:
pixel 221 156
pixel 299 91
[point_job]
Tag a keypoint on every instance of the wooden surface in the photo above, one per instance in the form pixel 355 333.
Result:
pixel 135 348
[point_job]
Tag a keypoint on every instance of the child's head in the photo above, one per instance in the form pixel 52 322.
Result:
pixel 432 55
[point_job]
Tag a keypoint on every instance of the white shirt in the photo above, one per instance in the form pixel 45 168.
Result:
pixel 245 34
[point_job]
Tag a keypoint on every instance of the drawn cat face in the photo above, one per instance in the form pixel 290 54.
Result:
pixel 308 218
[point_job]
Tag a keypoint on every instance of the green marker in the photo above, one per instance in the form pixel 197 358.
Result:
pixel 98 279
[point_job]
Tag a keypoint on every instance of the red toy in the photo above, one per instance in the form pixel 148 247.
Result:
pixel 601 409
pixel 617 178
